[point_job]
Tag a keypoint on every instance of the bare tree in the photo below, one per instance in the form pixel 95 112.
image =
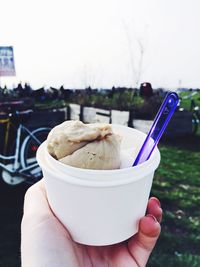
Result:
pixel 136 49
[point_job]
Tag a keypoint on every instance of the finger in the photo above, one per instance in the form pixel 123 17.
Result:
pixel 141 245
pixel 35 202
pixel 44 240
pixel 154 208
pixel 36 207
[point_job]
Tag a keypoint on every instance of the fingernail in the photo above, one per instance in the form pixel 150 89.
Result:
pixel 156 200
pixel 151 216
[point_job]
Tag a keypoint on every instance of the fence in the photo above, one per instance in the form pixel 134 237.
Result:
pixel 181 123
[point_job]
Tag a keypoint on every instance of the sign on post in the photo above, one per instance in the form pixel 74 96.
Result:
pixel 7 66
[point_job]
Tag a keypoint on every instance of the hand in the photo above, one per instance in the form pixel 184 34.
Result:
pixel 46 242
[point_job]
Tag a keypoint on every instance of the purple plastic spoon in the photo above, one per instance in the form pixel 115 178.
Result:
pixel 160 123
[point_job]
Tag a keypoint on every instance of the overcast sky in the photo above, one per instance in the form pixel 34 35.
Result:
pixel 77 43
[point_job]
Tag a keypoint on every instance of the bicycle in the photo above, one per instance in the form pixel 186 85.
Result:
pixel 20 164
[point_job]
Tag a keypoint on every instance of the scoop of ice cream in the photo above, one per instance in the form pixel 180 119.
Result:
pixel 101 154
pixel 90 146
pixel 69 136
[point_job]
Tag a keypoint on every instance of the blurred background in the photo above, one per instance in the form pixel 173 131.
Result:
pixel 102 61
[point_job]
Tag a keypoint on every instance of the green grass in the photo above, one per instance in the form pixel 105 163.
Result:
pixel 50 104
pixel 177 185
pixel 121 101
pixel 185 103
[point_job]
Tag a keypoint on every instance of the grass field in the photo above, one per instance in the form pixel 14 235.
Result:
pixel 186 99
pixel 176 184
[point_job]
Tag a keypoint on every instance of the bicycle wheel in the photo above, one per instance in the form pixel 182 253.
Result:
pixel 30 167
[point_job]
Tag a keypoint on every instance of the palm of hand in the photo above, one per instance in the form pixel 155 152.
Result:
pixel 89 256
pixel 66 252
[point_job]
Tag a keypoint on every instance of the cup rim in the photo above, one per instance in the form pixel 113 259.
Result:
pixel 99 178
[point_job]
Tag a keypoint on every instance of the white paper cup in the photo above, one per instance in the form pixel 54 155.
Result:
pixel 100 207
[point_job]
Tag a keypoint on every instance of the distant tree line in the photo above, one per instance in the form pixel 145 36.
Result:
pixel 143 101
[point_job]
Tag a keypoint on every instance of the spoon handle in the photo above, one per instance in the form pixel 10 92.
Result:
pixel 160 122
